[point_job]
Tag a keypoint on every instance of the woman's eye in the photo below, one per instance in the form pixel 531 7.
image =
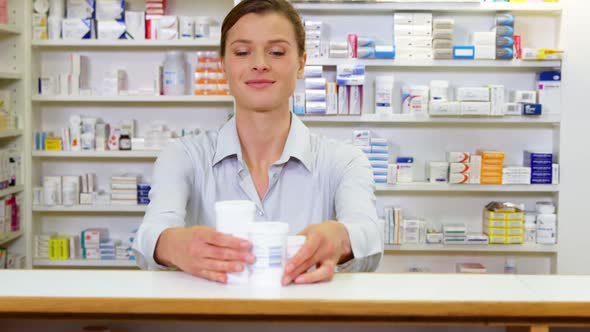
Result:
pixel 277 53
pixel 241 53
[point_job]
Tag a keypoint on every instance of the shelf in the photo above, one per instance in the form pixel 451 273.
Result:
pixel 475 248
pixel 473 6
pixel 37 262
pixel 496 64
pixel 401 119
pixel 7 239
pixel 9 29
pixel 10 75
pixel 136 99
pixel 98 154
pixel 92 43
pixel 92 208
pixel 11 190
pixel 445 187
pixel 11 133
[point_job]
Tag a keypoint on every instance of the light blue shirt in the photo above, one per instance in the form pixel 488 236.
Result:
pixel 316 179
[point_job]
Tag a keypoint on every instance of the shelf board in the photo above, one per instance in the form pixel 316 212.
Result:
pixel 10 75
pixel 496 64
pixel 91 43
pixel 9 29
pixel 445 187
pixel 11 190
pixel 136 99
pixel 401 119
pixel 98 154
pixel 474 6
pixel 91 208
pixel 11 133
pixel 475 248
pixel 9 238
pixel 37 262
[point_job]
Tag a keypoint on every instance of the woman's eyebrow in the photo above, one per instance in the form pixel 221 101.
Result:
pixel 273 41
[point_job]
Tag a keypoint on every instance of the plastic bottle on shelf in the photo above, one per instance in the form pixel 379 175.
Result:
pixel 510 265
pixel 174 74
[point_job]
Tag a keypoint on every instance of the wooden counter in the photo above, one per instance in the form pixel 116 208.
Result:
pixel 533 302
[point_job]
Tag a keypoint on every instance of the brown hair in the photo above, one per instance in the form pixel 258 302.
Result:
pixel 281 7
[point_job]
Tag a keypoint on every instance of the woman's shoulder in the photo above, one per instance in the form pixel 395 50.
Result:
pixel 197 146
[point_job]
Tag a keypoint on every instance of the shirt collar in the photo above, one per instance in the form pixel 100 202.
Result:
pixel 298 143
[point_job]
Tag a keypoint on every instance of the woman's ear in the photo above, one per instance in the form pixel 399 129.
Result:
pixel 301 69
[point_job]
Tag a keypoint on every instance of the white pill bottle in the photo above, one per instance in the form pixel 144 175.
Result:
pixel 269 245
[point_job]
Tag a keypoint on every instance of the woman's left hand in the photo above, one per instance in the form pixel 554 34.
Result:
pixel 327 244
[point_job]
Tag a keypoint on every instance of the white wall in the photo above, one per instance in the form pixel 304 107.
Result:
pixel 575 154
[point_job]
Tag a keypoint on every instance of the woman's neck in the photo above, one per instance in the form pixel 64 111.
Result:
pixel 262 135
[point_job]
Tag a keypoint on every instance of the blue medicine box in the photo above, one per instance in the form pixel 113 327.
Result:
pixel 464 52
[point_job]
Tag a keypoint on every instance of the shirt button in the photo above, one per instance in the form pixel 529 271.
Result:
pixel 260 213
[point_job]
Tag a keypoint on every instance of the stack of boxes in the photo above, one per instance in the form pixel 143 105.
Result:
pixel 411 231
pixel 377 151
pixel 41 245
pixel 413 35
pixel 93 241
pixel 40 28
pixel 503 223
pixel 485 45
pixel 442 38
pixel 492 166
pixel 124 189
pixel 124 251
pixel 110 19
pixel 459 167
pixel 315 90
pixel 154 9
pixel 454 234
pixel 313 39
pixel 526 103
pixel 504 35
pixel 143 193
pixel 541 166
pixel 393 221
pixel 474 101
pixel 79 21
pixel 350 79
pixel 59 248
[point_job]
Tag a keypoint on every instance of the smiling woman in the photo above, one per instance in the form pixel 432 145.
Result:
pixel 323 189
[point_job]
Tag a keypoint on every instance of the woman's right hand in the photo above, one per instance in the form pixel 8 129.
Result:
pixel 203 252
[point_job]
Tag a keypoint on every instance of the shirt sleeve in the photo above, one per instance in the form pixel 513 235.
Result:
pixel 172 179
pixel 356 209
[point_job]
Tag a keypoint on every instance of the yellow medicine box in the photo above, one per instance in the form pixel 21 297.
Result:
pixel 53 144
pixel 492 231
pixel 494 223
pixel 497 239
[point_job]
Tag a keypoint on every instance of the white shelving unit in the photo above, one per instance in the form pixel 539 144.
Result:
pixel 460 7
pixel 92 208
pixel 13 68
pixel 402 119
pixel 11 133
pixel 5 75
pixel 424 138
pixel 9 29
pixel 494 64
pixel 470 188
pixel 205 42
pixel 472 248
pixel 9 238
pixel 87 263
pixel 97 154
pixel 134 99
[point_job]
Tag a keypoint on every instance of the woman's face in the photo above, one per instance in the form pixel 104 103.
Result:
pixel 261 61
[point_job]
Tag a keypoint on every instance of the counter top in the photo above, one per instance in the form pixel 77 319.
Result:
pixel 349 297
